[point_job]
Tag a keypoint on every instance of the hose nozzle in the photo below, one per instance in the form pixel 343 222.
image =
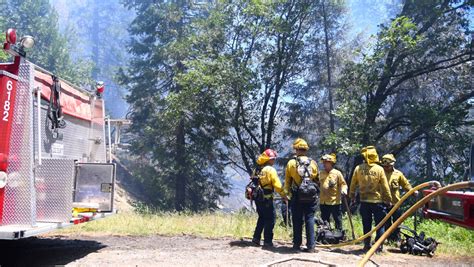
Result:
pixel 436 184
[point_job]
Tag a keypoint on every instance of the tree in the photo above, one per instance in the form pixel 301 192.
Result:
pixel 51 51
pixel 266 45
pixel 312 106
pixel 413 85
pixel 179 123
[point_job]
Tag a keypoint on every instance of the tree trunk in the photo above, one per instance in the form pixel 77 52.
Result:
pixel 180 153
pixel 429 157
pixel 180 158
pixel 328 67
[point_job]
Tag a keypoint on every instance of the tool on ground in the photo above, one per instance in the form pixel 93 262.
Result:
pixel 417 244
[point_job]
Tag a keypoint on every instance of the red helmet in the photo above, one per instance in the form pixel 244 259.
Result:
pixel 271 153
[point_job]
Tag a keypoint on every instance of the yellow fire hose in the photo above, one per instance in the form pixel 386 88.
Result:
pixel 382 223
pixel 410 211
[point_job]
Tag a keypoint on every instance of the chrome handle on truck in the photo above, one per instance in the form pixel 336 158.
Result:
pixel 38 101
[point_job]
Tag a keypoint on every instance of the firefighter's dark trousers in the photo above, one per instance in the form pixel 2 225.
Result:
pixel 332 210
pixel 395 235
pixel 266 221
pixel 369 211
pixel 303 213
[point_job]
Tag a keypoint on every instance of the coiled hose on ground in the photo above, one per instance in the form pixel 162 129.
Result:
pixel 390 213
pixel 409 212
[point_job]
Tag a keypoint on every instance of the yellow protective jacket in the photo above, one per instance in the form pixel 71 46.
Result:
pixel 396 179
pixel 293 179
pixel 372 184
pixel 331 185
pixel 268 179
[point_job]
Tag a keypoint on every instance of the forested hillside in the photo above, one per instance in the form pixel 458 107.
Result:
pixel 213 84
pixel 209 85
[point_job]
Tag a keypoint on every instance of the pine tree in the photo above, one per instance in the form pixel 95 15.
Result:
pixel 178 123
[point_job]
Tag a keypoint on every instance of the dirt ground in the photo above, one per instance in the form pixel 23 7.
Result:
pixel 187 251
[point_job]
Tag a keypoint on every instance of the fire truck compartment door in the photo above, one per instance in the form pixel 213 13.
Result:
pixel 95 184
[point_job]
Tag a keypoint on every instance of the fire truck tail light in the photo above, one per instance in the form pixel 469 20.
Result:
pixel 3 179
pixel 11 36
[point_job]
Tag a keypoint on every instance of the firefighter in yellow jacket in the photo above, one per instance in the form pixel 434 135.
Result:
pixel 269 182
pixel 374 192
pixel 332 185
pixel 301 212
pixel 395 179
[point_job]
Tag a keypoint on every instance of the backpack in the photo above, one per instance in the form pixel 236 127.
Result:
pixel 253 190
pixel 307 191
pixel 325 235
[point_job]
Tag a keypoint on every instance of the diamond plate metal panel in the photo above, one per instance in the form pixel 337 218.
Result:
pixel 97 148
pixel 74 143
pixel 19 205
pixel 54 190
pixel 81 140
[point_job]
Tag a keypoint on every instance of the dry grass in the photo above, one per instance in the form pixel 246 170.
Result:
pixel 211 225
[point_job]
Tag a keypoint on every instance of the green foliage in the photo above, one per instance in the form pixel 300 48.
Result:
pixel 175 111
pixel 214 84
pixel 265 59
pixel 408 94
pixel 309 111
pixel 3 56
pixel 401 34
pixel 51 50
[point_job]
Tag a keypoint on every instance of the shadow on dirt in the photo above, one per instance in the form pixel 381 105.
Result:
pixel 357 252
pixel 242 243
pixel 278 248
pixel 45 251
pixel 394 250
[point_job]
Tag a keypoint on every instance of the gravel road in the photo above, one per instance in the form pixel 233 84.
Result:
pixel 188 251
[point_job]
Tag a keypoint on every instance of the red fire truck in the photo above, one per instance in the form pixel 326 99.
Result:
pixel 455 207
pixel 53 154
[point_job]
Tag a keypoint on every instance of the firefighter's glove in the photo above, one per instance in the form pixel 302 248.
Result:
pixel 344 191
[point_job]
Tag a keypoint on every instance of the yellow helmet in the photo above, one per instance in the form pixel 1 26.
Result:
pixel 300 143
pixel 370 155
pixel 329 157
pixel 388 159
